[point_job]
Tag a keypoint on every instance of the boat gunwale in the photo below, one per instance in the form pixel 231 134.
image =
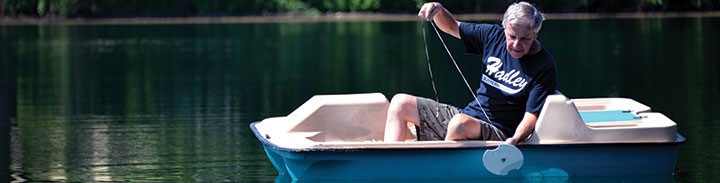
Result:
pixel 679 139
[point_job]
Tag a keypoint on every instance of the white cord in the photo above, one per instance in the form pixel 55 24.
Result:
pixel 460 72
pixel 432 79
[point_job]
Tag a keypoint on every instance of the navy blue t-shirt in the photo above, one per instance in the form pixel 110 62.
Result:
pixel 509 87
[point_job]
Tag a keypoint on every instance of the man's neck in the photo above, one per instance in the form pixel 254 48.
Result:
pixel 535 48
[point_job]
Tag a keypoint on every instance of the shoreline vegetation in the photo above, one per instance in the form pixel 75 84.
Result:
pixel 328 17
pixel 29 12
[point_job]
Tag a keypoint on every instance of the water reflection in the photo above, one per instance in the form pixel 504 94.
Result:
pixel 658 179
pixel 172 102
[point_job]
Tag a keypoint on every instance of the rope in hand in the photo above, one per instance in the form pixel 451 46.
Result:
pixel 427 57
pixel 432 23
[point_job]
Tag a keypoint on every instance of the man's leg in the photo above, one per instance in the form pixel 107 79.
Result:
pixel 403 108
pixel 464 127
pixel 434 119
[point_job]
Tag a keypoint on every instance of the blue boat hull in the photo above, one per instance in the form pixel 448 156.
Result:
pixel 641 159
pixel 340 137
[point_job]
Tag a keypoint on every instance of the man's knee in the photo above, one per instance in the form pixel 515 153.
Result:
pixel 457 122
pixel 401 102
pixel 461 118
pixel 460 127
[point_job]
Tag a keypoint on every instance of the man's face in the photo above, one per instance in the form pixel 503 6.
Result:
pixel 519 37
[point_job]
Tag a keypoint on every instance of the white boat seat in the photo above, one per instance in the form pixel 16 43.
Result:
pixel 330 118
pixel 602 120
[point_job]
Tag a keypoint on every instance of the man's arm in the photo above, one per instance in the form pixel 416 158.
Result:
pixel 527 125
pixel 442 17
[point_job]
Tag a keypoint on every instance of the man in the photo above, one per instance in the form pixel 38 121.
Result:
pixel 517 75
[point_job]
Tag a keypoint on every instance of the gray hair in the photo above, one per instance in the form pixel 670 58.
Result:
pixel 525 12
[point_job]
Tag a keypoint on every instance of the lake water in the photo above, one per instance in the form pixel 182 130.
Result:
pixel 173 102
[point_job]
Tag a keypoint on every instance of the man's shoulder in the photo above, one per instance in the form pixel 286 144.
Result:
pixel 485 33
pixel 541 61
pixel 541 54
pixel 481 26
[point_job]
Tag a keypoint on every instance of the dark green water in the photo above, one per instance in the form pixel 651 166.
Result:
pixel 173 102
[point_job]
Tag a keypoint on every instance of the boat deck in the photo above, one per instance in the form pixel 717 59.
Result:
pixel 358 121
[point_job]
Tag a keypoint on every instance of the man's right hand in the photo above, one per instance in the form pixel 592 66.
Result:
pixel 428 10
pixel 445 21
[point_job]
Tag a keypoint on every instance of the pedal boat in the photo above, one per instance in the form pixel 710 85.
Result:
pixel 340 137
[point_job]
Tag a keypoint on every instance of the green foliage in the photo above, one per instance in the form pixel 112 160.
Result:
pixel 364 5
pixel 293 6
pixel 54 7
pixel 655 2
pixel 134 8
pixel 350 5
pixel 22 7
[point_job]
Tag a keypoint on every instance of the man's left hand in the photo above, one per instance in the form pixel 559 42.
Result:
pixel 511 141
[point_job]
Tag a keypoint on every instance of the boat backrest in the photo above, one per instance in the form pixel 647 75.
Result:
pixel 601 120
pixel 332 118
